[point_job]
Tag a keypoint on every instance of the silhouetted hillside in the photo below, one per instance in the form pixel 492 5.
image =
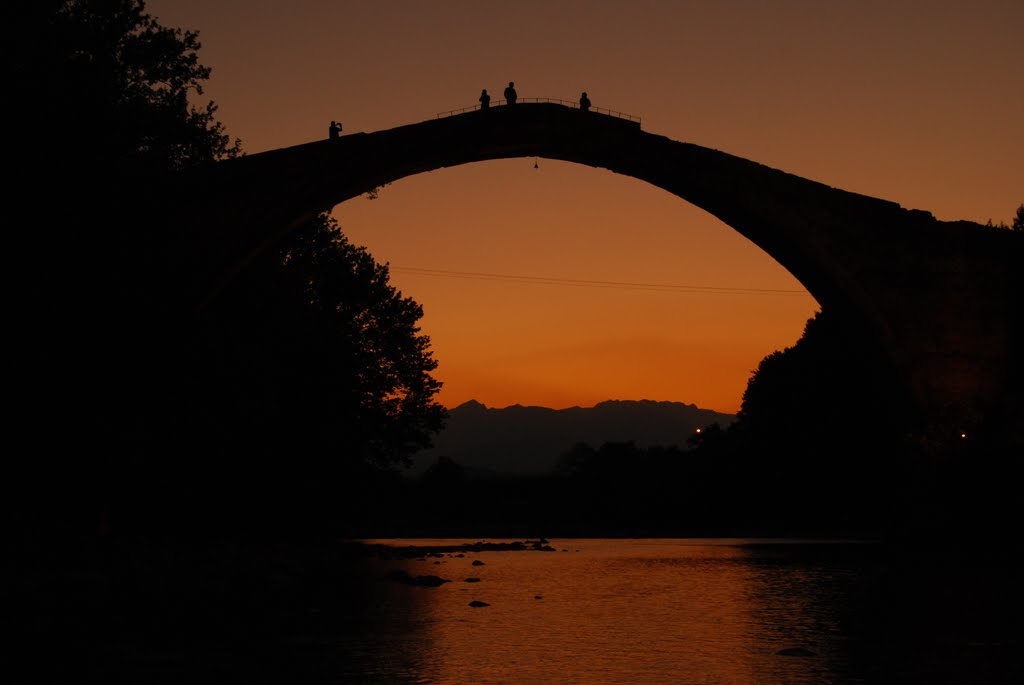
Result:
pixel 520 440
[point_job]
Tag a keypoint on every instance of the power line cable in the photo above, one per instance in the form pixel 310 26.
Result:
pixel 578 282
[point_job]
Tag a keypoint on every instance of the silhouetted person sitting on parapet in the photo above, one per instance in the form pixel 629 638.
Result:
pixel 334 130
pixel 510 93
pixel 485 99
pixel 584 102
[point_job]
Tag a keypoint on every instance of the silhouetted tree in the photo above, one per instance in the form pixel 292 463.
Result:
pixel 444 474
pixel 1016 225
pixel 381 387
pixel 705 436
pixel 122 420
pixel 820 435
pixel 313 357
pixel 574 460
pixel 621 488
pixel 103 112
pixel 308 376
pixel 99 94
pixel 98 107
pixel 102 82
pixel 830 384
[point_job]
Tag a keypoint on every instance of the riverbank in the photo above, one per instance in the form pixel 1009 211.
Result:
pixel 422 551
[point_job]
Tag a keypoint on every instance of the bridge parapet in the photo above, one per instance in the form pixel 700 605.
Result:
pixel 566 103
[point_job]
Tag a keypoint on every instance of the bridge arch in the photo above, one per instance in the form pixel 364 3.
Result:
pixel 938 297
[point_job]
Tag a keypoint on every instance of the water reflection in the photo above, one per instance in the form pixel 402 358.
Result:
pixel 666 611
pixel 796 597
pixel 602 611
pixel 622 611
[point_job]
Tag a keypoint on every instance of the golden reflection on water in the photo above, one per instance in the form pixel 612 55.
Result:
pixel 618 611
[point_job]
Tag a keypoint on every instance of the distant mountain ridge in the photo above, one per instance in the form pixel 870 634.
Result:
pixel 520 440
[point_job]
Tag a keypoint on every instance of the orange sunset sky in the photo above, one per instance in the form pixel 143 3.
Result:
pixel 921 103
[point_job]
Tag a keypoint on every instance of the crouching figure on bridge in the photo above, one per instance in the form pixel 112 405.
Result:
pixel 584 102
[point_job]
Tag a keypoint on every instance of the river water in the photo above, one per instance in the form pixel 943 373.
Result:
pixel 695 611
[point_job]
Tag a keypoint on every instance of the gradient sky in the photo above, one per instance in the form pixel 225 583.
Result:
pixel 918 102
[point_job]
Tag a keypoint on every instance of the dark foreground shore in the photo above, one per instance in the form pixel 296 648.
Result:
pixel 168 611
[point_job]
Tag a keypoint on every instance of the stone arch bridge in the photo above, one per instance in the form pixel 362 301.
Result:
pixel 942 299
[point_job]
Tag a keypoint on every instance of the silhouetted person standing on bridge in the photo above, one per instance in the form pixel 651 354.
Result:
pixel 485 99
pixel 584 102
pixel 510 93
pixel 334 130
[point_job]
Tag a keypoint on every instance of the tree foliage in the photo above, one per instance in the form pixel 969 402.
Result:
pixel 312 367
pixel 101 82
pixel 374 363
pixel 1016 225
pixel 310 370
pixel 101 108
pixel 831 383
pixel 821 430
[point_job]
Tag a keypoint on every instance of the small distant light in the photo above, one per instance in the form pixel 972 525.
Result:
pixel 963 435
pixel 698 430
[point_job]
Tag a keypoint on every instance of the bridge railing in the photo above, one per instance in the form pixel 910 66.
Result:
pixel 566 103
